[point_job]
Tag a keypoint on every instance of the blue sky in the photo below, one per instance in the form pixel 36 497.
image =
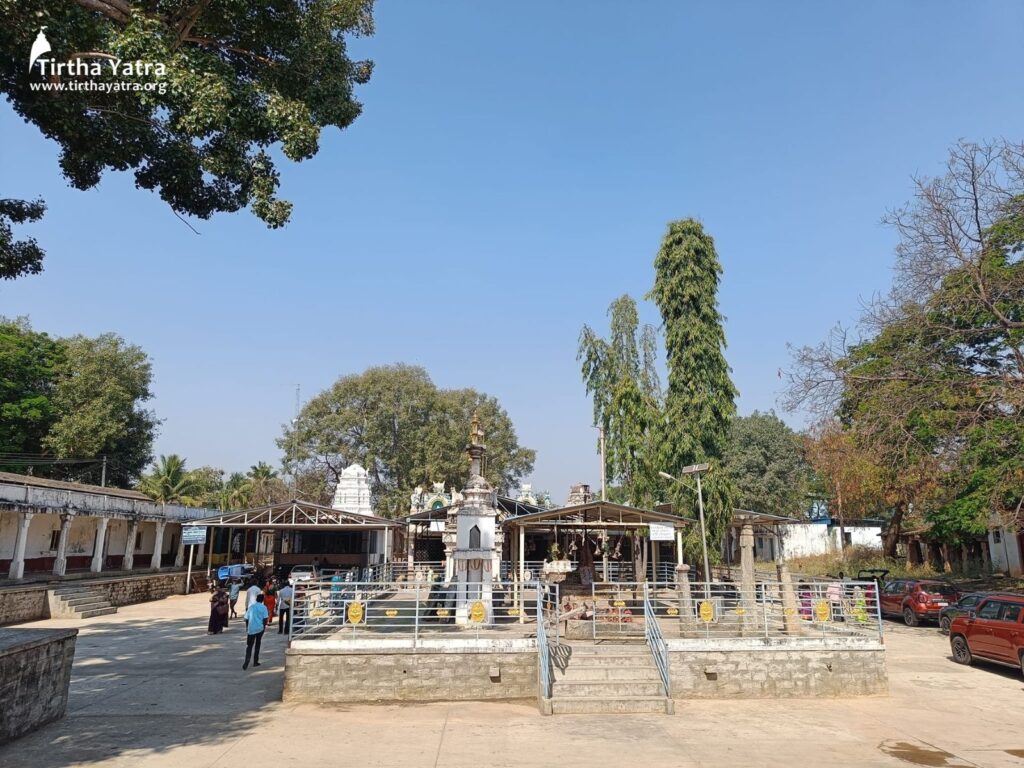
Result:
pixel 513 173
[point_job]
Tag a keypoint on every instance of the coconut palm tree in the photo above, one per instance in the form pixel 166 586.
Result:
pixel 169 482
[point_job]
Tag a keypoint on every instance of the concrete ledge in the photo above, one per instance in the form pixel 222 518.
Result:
pixel 35 672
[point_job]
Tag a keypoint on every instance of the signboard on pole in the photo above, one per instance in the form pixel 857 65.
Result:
pixel 662 531
pixel 193 534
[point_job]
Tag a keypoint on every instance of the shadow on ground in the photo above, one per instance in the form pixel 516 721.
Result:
pixel 148 684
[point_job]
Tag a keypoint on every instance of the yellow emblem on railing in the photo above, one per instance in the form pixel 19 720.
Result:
pixel 822 610
pixel 513 611
pixel 619 603
pixel 443 612
pixel 477 612
pixel 318 612
pixel 672 611
pixel 391 613
pixel 355 612
pixel 707 611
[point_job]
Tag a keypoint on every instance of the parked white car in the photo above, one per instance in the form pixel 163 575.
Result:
pixel 301 573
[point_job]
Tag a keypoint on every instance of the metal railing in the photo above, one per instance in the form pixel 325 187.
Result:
pixel 338 609
pixel 656 641
pixel 543 651
pixel 769 609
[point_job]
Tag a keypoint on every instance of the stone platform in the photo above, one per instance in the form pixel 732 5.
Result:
pixel 35 672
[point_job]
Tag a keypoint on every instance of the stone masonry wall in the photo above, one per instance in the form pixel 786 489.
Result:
pixel 777 674
pixel 374 676
pixel 140 589
pixel 20 605
pixel 35 671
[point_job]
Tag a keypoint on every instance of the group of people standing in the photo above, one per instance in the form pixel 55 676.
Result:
pixel 261 604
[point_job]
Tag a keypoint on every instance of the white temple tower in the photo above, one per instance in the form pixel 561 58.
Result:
pixel 352 494
pixel 476 539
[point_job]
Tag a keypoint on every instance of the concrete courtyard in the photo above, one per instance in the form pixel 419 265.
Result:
pixel 150 688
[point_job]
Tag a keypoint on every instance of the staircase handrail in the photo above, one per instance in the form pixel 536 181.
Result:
pixel 656 641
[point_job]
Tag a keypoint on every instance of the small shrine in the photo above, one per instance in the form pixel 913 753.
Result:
pixel 473 539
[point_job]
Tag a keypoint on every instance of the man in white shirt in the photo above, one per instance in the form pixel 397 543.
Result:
pixel 284 609
pixel 250 595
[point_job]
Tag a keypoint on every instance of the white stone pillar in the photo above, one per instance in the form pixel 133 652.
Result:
pixel 179 558
pixel 129 547
pixel 158 545
pixel 17 569
pixel 60 564
pixel 201 552
pixel 101 539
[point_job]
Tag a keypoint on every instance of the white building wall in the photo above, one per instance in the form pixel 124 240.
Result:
pixel 1004 549
pixel 8 530
pixel 809 539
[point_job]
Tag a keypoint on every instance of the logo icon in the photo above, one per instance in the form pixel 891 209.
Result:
pixel 39 47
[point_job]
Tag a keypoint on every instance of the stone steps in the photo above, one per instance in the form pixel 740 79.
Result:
pixel 606 688
pixel 590 672
pixel 607 678
pixel 80 602
pixel 621 705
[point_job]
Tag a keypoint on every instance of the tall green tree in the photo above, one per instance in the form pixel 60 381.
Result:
pixel 767 464
pixel 28 361
pixel 620 374
pixel 100 388
pixel 405 431
pixel 700 398
pixel 244 80
pixel 169 482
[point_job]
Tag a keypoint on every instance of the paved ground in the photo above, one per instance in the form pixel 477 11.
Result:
pixel 150 689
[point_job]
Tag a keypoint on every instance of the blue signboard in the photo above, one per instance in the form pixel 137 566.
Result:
pixel 193 534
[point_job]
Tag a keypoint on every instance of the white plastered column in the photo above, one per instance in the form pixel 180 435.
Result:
pixel 17 569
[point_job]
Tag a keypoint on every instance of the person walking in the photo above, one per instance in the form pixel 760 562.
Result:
pixel 218 612
pixel 233 591
pixel 270 598
pixel 251 594
pixel 256 618
pixel 284 609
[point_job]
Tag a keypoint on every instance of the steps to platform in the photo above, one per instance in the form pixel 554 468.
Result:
pixel 607 679
pixel 79 602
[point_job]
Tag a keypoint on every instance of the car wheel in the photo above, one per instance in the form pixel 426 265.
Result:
pixel 961 651
pixel 944 624
pixel 910 617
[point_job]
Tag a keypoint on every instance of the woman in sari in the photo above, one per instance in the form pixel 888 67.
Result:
pixel 218 612
pixel 270 597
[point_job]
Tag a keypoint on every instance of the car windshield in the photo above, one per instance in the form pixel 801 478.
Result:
pixel 943 590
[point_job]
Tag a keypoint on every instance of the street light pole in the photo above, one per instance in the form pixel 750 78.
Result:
pixel 703 536
pixel 696 469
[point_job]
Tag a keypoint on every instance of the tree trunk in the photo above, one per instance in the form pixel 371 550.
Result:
pixel 891 536
pixel 842 525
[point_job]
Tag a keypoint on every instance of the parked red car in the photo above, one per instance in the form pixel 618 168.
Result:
pixel 995 631
pixel 916 600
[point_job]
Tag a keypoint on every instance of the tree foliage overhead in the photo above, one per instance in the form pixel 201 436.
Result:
pixel 935 389
pixel 19 257
pixel 700 397
pixel 622 376
pixel 243 78
pixel 74 398
pixel 405 431
pixel 767 465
